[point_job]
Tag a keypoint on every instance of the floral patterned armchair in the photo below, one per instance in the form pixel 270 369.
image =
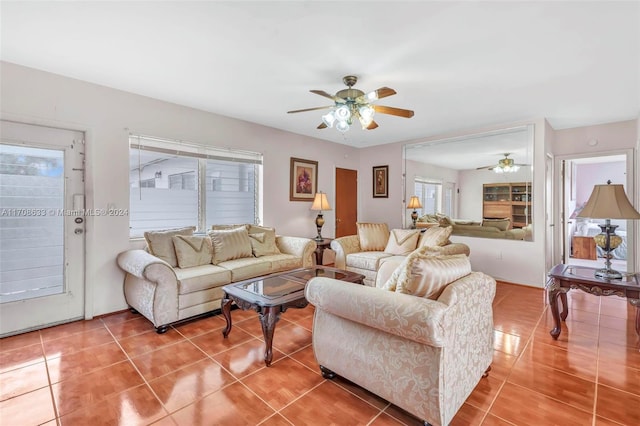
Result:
pixel 423 355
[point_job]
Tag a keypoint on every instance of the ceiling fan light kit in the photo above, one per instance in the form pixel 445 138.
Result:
pixel 350 104
pixel 505 165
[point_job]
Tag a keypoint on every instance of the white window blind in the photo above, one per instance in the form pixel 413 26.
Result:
pixel 194 185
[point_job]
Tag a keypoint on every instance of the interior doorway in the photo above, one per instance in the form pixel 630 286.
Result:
pixel 346 202
pixel 581 174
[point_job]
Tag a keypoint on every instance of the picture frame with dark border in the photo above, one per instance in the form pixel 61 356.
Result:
pixel 381 182
pixel 303 181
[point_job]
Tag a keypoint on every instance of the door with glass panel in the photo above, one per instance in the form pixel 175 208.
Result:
pixel 42 222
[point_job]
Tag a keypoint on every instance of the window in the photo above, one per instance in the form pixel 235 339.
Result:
pixel 174 184
pixel 435 196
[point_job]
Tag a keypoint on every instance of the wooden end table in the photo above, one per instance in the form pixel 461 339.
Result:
pixel 273 294
pixel 563 278
pixel 321 246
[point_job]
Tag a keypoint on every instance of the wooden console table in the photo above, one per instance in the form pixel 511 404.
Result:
pixel 563 278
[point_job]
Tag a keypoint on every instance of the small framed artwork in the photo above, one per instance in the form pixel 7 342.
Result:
pixel 381 182
pixel 304 179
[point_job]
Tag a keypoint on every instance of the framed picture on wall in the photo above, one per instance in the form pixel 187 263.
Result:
pixel 304 179
pixel 381 182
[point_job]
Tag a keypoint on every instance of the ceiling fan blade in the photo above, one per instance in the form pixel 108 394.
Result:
pixel 382 92
pixel 326 95
pixel 372 126
pixel 322 126
pixel 406 113
pixel 309 109
pixel 485 168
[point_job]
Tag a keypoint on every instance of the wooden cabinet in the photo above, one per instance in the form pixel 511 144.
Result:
pixel 583 248
pixel 507 200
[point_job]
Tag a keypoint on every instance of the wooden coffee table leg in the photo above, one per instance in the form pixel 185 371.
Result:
pixel 269 316
pixel 226 311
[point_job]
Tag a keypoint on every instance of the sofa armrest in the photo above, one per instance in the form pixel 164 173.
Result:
pixel 344 246
pixel 150 287
pixel 136 263
pixel 410 317
pixel 298 246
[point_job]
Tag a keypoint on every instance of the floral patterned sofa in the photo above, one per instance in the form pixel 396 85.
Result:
pixel 375 244
pixel 422 342
pixel 180 275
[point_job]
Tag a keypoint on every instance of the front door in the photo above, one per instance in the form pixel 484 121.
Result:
pixel 346 202
pixel 42 222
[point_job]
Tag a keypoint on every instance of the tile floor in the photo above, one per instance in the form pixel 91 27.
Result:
pixel 117 370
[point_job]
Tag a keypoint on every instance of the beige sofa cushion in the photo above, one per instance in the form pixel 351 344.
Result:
pixel 501 224
pixel 201 277
pixel 373 236
pixel 402 241
pixel 229 244
pixel 425 275
pixel 192 250
pixel 160 243
pixel 435 236
pixel 263 241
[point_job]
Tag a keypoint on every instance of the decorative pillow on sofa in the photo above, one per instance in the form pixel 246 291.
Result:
pixel 229 244
pixel 435 236
pixel 372 236
pixel 425 275
pixel 402 241
pixel 160 243
pixel 501 224
pixel 263 241
pixel 192 250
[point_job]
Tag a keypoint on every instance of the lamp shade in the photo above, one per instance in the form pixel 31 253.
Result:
pixel 320 202
pixel 609 202
pixel 414 203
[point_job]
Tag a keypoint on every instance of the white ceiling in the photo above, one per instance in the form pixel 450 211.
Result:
pixel 458 65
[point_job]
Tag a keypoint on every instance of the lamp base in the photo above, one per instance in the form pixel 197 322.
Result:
pixel 608 241
pixel 414 218
pixel 319 223
pixel 608 274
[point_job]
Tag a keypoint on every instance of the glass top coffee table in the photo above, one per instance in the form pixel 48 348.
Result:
pixel 271 295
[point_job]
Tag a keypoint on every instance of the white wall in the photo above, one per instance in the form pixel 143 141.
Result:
pixel 107 116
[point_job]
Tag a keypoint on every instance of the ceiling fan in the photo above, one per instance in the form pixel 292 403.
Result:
pixel 505 165
pixel 353 103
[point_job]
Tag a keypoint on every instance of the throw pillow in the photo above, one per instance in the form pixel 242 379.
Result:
pixel 226 227
pixel 192 250
pixel 402 241
pixel 501 224
pixel 426 276
pixel 229 244
pixel 263 241
pixel 373 236
pixel 160 243
pixel 435 236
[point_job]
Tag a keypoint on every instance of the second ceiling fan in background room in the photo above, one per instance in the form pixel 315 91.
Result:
pixel 350 104
pixel 505 165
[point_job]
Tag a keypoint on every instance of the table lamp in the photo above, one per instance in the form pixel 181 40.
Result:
pixel 608 202
pixel 414 203
pixel 320 203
